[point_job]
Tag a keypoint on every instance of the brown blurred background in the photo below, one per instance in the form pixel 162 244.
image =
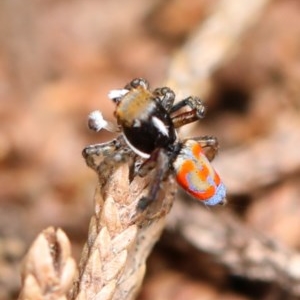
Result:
pixel 59 59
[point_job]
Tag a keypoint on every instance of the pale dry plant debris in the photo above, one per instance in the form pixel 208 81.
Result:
pixel 120 238
pixel 244 251
pixel 211 45
pixel 273 158
pixel 48 269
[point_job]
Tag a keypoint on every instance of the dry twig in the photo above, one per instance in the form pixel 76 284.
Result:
pixel 275 156
pixel 120 239
pixel 48 269
pixel 211 45
pixel 244 251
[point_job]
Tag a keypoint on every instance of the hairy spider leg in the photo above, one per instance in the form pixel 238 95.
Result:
pixel 133 84
pixel 197 111
pixel 109 149
pixel 160 161
pixel 166 96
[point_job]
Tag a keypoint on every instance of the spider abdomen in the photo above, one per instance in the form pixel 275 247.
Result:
pixel 196 176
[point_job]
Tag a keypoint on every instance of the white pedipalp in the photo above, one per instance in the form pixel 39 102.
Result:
pixel 96 122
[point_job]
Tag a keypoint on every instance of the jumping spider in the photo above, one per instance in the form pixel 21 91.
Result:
pixel 148 121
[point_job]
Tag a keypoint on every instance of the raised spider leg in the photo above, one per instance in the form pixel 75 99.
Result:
pixel 92 152
pixel 210 143
pixel 167 97
pixel 161 160
pixel 197 111
pixel 133 84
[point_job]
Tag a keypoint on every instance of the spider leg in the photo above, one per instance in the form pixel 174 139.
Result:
pixel 197 111
pixel 166 96
pixel 210 145
pixel 149 164
pixel 160 160
pixel 93 152
pixel 133 84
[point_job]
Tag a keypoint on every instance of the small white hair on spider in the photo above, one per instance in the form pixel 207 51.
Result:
pixel 96 122
pixel 116 94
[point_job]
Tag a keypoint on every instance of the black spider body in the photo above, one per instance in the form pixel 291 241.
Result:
pixel 145 123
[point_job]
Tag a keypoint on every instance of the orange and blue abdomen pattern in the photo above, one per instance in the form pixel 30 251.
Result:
pixel 196 176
